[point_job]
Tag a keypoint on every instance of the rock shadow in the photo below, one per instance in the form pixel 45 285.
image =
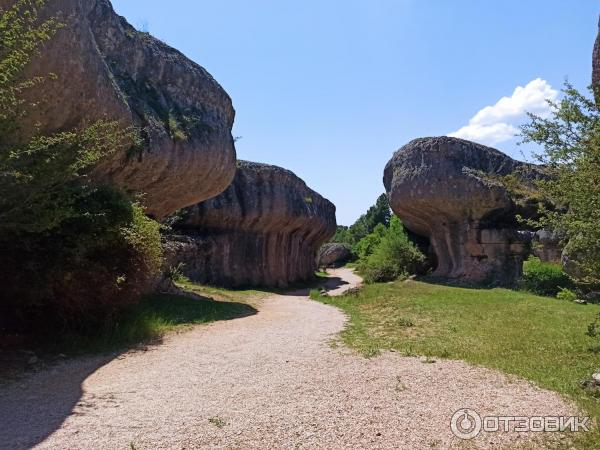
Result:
pixel 329 284
pixel 35 405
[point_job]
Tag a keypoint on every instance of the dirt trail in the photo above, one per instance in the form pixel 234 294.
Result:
pixel 271 380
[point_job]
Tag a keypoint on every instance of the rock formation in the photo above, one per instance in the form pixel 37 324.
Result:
pixel 596 66
pixel 463 197
pixel 333 254
pixel 106 69
pixel 547 246
pixel 264 230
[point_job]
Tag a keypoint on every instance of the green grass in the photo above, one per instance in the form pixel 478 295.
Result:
pixel 537 338
pixel 150 320
pixel 217 293
pixel 159 314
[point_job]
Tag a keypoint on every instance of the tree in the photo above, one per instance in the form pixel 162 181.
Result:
pixel 369 243
pixel 379 213
pixel 393 256
pixel 44 177
pixel 570 138
pixel 70 248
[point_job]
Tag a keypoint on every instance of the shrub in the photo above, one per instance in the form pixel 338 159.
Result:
pixel 176 273
pixel 544 278
pixel 80 275
pixel 593 331
pixel 570 140
pixel 367 245
pixel 566 294
pixel 393 257
pixel 72 252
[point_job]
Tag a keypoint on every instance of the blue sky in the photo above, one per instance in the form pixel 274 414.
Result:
pixel 330 89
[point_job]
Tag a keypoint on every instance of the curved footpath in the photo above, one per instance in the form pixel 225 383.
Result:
pixel 271 380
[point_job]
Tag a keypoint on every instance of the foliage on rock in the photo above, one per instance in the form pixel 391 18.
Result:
pixel 72 252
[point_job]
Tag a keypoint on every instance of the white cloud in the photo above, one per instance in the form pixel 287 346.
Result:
pixel 499 123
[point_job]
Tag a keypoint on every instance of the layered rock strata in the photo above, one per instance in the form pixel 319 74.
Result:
pixel 463 197
pixel 104 69
pixel 264 230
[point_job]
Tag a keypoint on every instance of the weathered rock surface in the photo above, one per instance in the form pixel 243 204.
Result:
pixel 596 66
pixel 547 246
pixel 108 70
pixel 264 230
pixel 454 192
pixel 333 254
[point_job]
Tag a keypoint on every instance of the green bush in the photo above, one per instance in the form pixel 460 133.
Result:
pixel 72 253
pixel 566 294
pixel 544 278
pixel 80 275
pixel 393 257
pixel 570 141
pixel 367 245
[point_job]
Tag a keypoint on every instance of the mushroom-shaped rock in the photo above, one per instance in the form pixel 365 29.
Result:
pixel 264 230
pixel 107 70
pixel 454 192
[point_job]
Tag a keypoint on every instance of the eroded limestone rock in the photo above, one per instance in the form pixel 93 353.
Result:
pixel 463 197
pixel 334 254
pixel 264 230
pixel 105 69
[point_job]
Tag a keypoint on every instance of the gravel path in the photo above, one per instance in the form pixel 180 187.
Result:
pixel 266 381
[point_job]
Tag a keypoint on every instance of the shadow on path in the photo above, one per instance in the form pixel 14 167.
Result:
pixel 329 283
pixel 35 405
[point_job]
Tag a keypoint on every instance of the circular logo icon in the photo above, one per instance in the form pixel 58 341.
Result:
pixel 465 424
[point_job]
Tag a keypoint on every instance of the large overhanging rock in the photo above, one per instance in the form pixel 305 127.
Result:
pixel 105 69
pixel 463 197
pixel 264 230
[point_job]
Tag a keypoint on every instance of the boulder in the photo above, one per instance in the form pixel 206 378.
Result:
pixel 547 246
pixel 463 197
pixel 264 230
pixel 333 254
pixel 596 66
pixel 106 69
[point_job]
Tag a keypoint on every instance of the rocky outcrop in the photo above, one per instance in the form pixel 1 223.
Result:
pixel 334 254
pixel 106 69
pixel 596 66
pixel 463 197
pixel 547 246
pixel 264 230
